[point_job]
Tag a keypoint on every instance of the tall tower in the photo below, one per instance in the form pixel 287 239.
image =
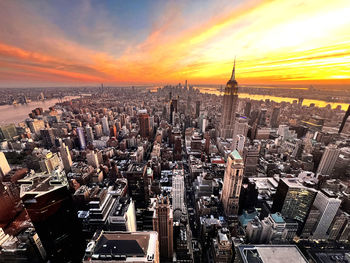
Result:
pixel 163 224
pixel 145 126
pixel 229 102
pixel 49 205
pixel 293 200
pixel 81 137
pixel 4 165
pixel 327 203
pixel 105 125
pixel 232 183
pixel 66 157
pixel 346 116
pixel 274 117
pixel 328 160
pixel 178 190
pixel 48 138
pixel 198 108
pixel 89 134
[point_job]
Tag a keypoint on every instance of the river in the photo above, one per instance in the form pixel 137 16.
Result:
pixel 19 112
pixel 306 102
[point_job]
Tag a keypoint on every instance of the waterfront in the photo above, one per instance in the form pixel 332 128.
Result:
pixel 19 112
pixel 279 99
pixel 306 102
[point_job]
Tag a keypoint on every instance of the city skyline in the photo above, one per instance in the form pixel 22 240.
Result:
pixel 155 42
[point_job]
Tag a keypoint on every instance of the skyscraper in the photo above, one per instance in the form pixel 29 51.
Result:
pixel 327 203
pixel 66 158
pixel 105 125
pixel 49 205
pixel 8 131
pixel 232 183
pixel 89 134
pixel 92 159
pixel 189 106
pixel 274 117
pixel 81 137
pixel 4 165
pixel 198 108
pixel 48 138
pixel 293 200
pixel 230 100
pixel 247 109
pixel 163 224
pixel 98 130
pixel 144 120
pixel 328 160
pixel 178 191
pixel 173 109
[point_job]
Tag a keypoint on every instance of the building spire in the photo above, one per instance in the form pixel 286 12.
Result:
pixel 233 70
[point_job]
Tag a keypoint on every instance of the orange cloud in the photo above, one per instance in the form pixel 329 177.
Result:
pixel 290 41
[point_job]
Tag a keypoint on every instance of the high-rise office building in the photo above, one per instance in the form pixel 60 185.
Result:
pixel 48 138
pixel 145 127
pixel 122 217
pixel 48 203
pixel 89 134
pixel 198 108
pixel 50 162
pixel 98 130
pixel 178 192
pixel 274 117
pixel 7 132
pixel 232 183
pixel 240 129
pixel 340 221
pixel 4 165
pixel 105 125
pixel 222 247
pixel 163 224
pixel 311 222
pixel 92 159
pixel 293 200
pixel 81 137
pixel 189 106
pixel 230 101
pixel 328 160
pixel 251 155
pixel 262 117
pixel 247 109
pixel 177 148
pixel 35 125
pixel 327 203
pixel 66 157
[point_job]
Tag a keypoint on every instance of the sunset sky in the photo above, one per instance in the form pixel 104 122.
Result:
pixel 158 42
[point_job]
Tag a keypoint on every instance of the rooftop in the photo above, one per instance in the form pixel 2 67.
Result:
pixel 39 184
pixel 235 155
pixel 126 246
pixel 277 217
pixel 271 254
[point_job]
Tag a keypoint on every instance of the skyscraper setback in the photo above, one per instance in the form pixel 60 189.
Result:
pixel 232 183
pixel 163 224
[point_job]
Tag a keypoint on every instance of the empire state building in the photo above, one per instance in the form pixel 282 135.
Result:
pixel 230 101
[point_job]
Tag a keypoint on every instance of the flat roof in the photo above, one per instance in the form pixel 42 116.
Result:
pixel 271 254
pixel 277 218
pixel 235 155
pixel 129 246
